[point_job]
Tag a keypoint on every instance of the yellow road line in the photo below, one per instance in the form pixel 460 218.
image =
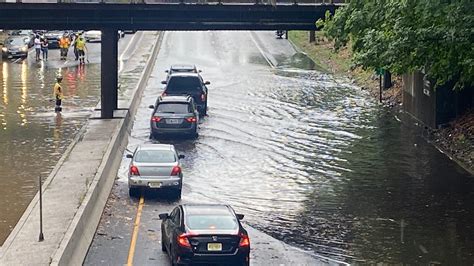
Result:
pixel 133 242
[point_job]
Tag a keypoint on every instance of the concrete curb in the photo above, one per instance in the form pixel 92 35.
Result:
pixel 75 243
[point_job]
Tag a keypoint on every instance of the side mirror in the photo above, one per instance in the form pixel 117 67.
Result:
pixel 163 82
pixel 167 71
pixel 130 156
pixel 207 83
pixel 199 70
pixel 181 156
pixel 240 216
pixel 163 216
pixel 151 106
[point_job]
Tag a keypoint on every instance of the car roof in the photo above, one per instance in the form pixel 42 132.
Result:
pixel 204 209
pixel 176 99
pixel 150 146
pixel 182 67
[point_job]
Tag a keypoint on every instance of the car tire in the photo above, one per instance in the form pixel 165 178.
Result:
pixel 177 194
pixel 133 192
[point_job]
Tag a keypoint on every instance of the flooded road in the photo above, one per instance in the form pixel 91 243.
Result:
pixel 311 160
pixel 32 136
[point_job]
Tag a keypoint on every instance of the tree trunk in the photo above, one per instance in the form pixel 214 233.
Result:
pixel 387 80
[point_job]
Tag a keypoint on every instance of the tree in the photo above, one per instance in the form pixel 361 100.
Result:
pixel 435 36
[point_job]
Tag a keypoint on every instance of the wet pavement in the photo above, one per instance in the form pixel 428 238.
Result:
pixel 309 159
pixel 32 136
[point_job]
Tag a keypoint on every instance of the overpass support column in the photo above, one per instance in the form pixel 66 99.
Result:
pixel 109 75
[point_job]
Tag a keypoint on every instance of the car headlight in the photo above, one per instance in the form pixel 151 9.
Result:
pixel 24 49
pixel 5 49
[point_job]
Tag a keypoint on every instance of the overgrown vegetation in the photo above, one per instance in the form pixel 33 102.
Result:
pixel 434 36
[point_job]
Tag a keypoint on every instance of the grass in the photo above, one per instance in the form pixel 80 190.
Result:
pixel 323 54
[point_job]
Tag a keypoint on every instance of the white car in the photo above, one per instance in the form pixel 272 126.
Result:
pixel 93 36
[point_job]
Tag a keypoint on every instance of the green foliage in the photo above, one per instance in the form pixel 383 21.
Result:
pixel 435 36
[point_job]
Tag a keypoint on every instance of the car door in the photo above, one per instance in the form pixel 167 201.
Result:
pixel 175 226
pixel 167 228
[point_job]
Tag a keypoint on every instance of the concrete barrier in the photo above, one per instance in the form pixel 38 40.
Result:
pixel 75 244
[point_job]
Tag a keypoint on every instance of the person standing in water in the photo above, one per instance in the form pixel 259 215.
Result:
pixel 58 93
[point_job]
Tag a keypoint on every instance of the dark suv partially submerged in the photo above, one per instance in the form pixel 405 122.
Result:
pixel 174 115
pixel 188 84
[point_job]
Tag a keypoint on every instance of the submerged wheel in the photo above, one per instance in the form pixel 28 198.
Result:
pixel 133 192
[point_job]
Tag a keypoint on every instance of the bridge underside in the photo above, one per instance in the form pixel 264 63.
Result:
pixel 111 17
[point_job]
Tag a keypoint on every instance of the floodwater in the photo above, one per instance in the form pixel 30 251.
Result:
pixel 32 136
pixel 313 161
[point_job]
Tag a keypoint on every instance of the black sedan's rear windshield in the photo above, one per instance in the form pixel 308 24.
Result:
pixel 173 108
pixel 183 84
pixel 211 222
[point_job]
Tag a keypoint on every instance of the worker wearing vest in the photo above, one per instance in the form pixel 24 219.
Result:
pixel 58 93
pixel 81 48
pixel 64 46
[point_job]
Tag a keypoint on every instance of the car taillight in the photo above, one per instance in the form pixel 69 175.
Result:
pixel 183 240
pixel 244 240
pixel 176 170
pixel 156 119
pixel 203 97
pixel 134 170
pixel 191 119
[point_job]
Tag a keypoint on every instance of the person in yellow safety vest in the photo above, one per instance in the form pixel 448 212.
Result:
pixel 58 93
pixel 64 43
pixel 81 48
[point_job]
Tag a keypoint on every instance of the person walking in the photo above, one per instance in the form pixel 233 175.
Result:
pixel 64 46
pixel 58 93
pixel 81 48
pixel 37 44
pixel 74 44
pixel 44 48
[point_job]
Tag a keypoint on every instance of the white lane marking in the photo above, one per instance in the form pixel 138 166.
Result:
pixel 261 50
pixel 125 51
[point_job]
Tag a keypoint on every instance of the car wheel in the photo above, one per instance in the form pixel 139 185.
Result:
pixel 133 192
pixel 177 194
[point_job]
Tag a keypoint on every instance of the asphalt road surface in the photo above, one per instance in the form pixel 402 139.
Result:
pixel 308 158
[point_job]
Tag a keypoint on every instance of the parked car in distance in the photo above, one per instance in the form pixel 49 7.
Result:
pixel 185 83
pixel 53 38
pixel 15 46
pixel 93 36
pixel 155 166
pixel 174 115
pixel 204 233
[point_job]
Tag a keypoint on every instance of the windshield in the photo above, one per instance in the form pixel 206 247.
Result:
pixel 173 108
pixel 155 156
pixel 16 41
pixel 211 222
pixel 183 84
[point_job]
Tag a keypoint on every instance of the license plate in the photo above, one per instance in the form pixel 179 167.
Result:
pixel 214 246
pixel 172 121
pixel 154 184
pixel 13 52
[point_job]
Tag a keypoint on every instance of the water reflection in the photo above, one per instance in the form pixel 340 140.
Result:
pixel 33 137
pixel 316 162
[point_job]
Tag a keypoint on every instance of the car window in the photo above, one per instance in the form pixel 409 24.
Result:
pixel 183 84
pixel 204 222
pixel 173 108
pixel 16 41
pixel 155 156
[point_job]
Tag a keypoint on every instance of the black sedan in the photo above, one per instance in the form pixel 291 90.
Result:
pixel 204 234
pixel 16 46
